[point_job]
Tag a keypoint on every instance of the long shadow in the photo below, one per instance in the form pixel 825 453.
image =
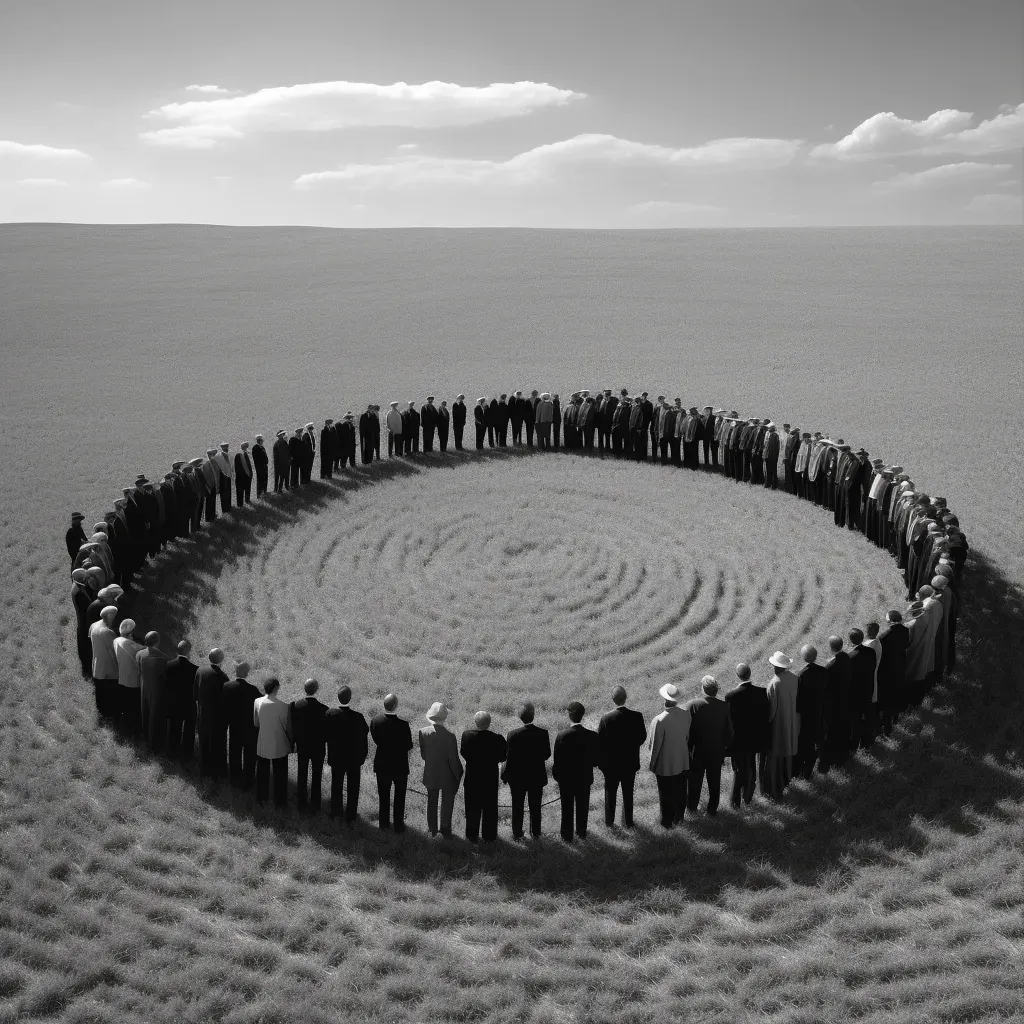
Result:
pixel 953 763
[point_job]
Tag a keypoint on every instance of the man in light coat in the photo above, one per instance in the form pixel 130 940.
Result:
pixel 670 755
pixel 442 769
pixel 777 764
pixel 396 445
pixel 273 717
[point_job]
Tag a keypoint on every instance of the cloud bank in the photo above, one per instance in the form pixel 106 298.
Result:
pixel 944 174
pixel 329 106
pixel 37 151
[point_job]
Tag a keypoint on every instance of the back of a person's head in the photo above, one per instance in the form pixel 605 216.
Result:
pixel 344 695
pixel 856 637
pixel 127 627
pixel 894 615
pixel 216 656
pixel 241 670
pixel 576 712
pixel 271 685
pixel 835 643
pixel 619 696
pixel 390 702
pixel 526 713
pixel 809 653
pixel 482 720
pixel 742 671
pixel 709 684
pixel 108 614
pixel 872 630
pixel 310 686
pixel 184 648
pixel 152 638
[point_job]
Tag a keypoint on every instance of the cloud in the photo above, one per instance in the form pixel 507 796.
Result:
pixel 673 208
pixel 543 162
pixel 210 90
pixel 996 207
pixel 328 106
pixel 945 131
pixel 945 174
pixel 42 182
pixel 126 184
pixel 36 151
pixel 407 147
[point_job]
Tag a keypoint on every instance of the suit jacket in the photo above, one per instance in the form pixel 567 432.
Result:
pixel 75 538
pixel 670 735
pixel 181 680
pixel 711 728
pixel 811 681
pixel 577 753
pixel 480 415
pixel 308 725
pixel 439 749
pixel 483 751
pixel 282 456
pixel 428 417
pixel 620 735
pixel 528 409
pixel 459 414
pixel 346 731
pixel 259 457
pixel 862 677
pixel 209 689
pixel 239 695
pixel 295 450
pixel 892 671
pixel 243 466
pixel 837 695
pixel 529 747
pixel 749 710
pixel 394 741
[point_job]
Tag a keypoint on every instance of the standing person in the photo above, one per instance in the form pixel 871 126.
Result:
pixel 295 457
pixel 211 486
pixel 638 433
pixel 391 763
pixel 577 752
pixel 620 735
pixel 708 437
pixel 128 681
pixel 458 421
pixel 689 433
pixel 243 476
pixel 444 418
pixel 586 421
pixel 501 422
pixel 104 661
pixel 412 436
pixel 811 683
pixel 480 420
pixel 308 453
pixel 525 772
pixel 835 747
pixel 544 418
pixel 862 685
pixel 346 731
pixel 282 463
pixel 75 536
pixel 750 712
pixel 181 703
pixel 238 697
pixel 152 664
pixel 608 406
pixel 770 455
pixel 273 719
pixel 375 436
pixel 346 441
pixel 210 724
pixel 670 755
pixel 483 751
pixel 892 672
pixel 620 425
pixel 222 460
pixel 710 736
pixel 777 764
pixel 260 462
pixel 491 420
pixel 556 420
pixel 515 415
pixel 395 423
pixel 366 432
pixel 428 418
pixel 328 456
pixel 81 598
pixel 529 408
pixel 310 736
pixel 442 769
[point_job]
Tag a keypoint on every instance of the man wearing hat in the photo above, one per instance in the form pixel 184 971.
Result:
pixel 282 462
pixel 529 408
pixel 501 421
pixel 126 647
pixel 152 664
pixel 295 457
pixel 620 735
pixel 308 453
pixel 310 736
pixel 515 416
pixel 480 421
pixel 81 598
pixel 459 421
pixel 393 738
pixel 238 697
pixel 525 772
pixel 395 425
pixel 211 484
pixel 670 755
pixel 327 453
pixel 609 403
pixel 637 431
pixel 75 536
pixel 346 731
pixel 483 751
pixel 586 421
pixel 411 429
pixel 442 769
pixel 544 415
pixel 892 671
pixel 428 420
pixel 222 460
pixel 444 421
pixel 749 711
pixel 777 764
pixel 210 723
pixel 243 476
pixel 104 661
pixel 346 441
pixel 577 753
pixel 181 702
pixel 260 462
pixel 664 427
pixel 770 456
pixel 367 423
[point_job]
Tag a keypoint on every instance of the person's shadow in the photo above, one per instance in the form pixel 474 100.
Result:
pixel 951 763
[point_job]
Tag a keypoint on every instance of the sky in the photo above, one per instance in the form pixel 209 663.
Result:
pixel 541 113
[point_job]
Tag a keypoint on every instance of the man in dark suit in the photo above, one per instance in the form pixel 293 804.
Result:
pixel 620 734
pixel 556 420
pixel 491 421
pixel 515 415
pixel 501 421
pixel 529 409
pixel 606 410
pixel 282 463
pixel 391 762
pixel 711 733
pixel 892 671
pixel 75 536
pixel 708 422
pixel 412 433
pixel 367 426
pixel 346 732
pixel 483 751
pixel 243 476
pixel 308 731
pixel 296 456
pixel 458 420
pixel 210 723
pixel 862 685
pixel 529 747
pixel 749 710
pixel 480 421
pixel 327 453
pixel 346 441
pixel 260 462
pixel 238 696
pixel 577 751
pixel 308 452
pixel 428 419
pixel 835 748
pixel 810 706
pixel 637 432
pixel 444 422
pixel 181 703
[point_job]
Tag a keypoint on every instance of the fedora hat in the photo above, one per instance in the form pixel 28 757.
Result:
pixel 670 692
pixel 780 660
pixel 437 713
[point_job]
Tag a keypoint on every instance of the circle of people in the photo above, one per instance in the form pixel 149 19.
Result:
pixel 814 712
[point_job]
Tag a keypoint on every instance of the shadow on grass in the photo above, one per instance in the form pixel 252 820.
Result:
pixel 951 764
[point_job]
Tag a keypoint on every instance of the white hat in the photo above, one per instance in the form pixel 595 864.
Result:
pixel 670 692
pixel 437 713
pixel 780 660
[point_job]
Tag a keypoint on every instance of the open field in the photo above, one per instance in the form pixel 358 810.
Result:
pixel 892 890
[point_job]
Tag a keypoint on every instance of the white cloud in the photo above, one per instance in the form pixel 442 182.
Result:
pixel 36 151
pixel 945 131
pixel 126 184
pixel 996 207
pixel 945 174
pixel 42 182
pixel 672 208
pixel 327 106
pixel 542 163
pixel 210 90
pixel 407 147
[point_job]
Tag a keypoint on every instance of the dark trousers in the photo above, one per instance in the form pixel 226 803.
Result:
pixel 575 798
pixel 243 490
pixel 280 480
pixel 714 455
pixel 744 777
pixel 612 782
pixel 385 809
pixel 520 794
pixel 701 766
pixel 442 440
pixel 457 431
pixel 543 435
pixel 213 737
pixel 771 475
pixel 529 434
pixel 311 762
pixel 241 754
pixel 806 756
pixel 556 432
pixel 130 706
pixel 663 447
pixel 480 432
pixel 261 482
pixel 639 440
pixel 672 798
pixel 490 436
pixel 211 506
pixel 294 474
pixel 181 729
pixel 428 439
pixel 106 697
pixel 481 805
pixel 225 493
pixel 676 445
pixel 345 777
pixel 280 765
pixel 367 450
